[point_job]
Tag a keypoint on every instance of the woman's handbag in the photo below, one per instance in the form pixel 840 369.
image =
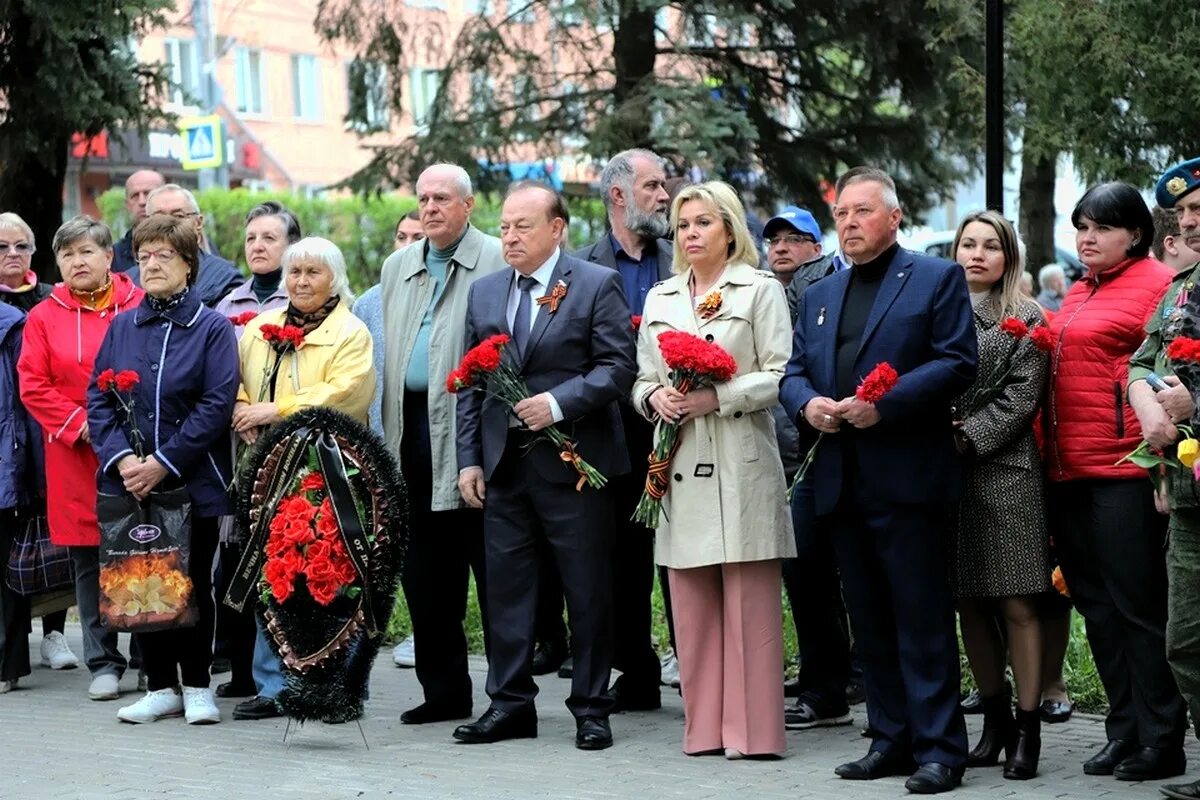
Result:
pixel 35 564
pixel 144 549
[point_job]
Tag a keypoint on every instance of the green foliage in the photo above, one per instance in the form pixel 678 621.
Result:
pixel 800 90
pixel 361 225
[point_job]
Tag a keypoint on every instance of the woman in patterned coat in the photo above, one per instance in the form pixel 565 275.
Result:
pixel 1000 549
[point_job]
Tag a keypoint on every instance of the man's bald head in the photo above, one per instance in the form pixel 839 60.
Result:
pixel 138 187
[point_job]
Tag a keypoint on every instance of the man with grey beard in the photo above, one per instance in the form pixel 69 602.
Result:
pixel 633 187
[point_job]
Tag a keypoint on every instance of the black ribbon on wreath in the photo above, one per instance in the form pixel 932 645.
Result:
pixel 326 647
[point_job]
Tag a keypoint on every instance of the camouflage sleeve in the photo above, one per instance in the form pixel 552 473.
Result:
pixel 1144 358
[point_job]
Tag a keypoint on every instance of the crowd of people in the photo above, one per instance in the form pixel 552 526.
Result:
pixel 904 440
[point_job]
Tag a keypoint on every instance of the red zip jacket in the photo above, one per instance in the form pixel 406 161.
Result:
pixel 1100 325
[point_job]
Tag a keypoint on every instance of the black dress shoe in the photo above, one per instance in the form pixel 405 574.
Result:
pixel 1152 764
pixel 627 698
pixel 567 670
pixel 1055 711
pixel 1182 791
pixel 592 733
pixel 876 764
pixel 257 708
pixel 435 712
pixel 933 778
pixel 1109 756
pixel 496 725
pixel 855 693
pixel 547 658
pixel 232 689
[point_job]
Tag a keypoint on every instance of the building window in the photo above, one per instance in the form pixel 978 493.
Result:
pixel 306 88
pixel 425 83
pixel 368 96
pixel 249 80
pixel 181 60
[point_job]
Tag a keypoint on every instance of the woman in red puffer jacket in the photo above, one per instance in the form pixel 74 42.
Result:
pixel 1108 534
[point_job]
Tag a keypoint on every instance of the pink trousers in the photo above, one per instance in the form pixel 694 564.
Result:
pixel 729 636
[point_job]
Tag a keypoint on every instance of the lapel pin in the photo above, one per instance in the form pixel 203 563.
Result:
pixel 899 274
pixel 821 316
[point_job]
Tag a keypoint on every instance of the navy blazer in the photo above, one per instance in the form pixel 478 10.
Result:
pixel 921 323
pixel 583 354
pixel 601 252
pixel 187 362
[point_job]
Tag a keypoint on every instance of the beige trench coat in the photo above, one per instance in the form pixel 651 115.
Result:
pixel 739 512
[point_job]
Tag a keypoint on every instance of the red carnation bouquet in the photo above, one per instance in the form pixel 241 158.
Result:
pixel 243 319
pixel 873 388
pixel 484 367
pixel 305 541
pixel 694 363
pixel 1038 336
pixel 121 384
pixel 282 339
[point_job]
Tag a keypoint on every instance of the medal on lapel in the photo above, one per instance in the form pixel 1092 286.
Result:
pixel 554 297
pixel 821 317
pixel 708 307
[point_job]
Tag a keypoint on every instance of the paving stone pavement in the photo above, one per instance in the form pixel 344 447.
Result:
pixel 55 743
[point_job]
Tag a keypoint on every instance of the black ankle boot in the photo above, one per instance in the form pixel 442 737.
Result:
pixel 1022 761
pixel 998 729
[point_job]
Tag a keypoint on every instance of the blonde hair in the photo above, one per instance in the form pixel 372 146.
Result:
pixel 724 200
pixel 1010 297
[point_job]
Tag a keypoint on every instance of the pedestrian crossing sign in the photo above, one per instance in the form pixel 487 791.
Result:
pixel 203 142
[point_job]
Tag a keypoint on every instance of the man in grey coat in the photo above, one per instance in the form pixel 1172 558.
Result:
pixel 424 291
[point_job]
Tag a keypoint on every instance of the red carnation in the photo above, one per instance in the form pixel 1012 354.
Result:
pixel 242 319
pixel 1042 338
pixel 1183 348
pixel 686 353
pixel 880 381
pixel 292 335
pixel 126 379
pixel 1014 327
pixel 636 321
pixel 271 333
pixel 105 380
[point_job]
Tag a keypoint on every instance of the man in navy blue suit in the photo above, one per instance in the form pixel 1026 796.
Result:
pixel 884 473
pixel 576 355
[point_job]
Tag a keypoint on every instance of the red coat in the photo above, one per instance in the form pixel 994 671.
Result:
pixel 1100 325
pixel 62 338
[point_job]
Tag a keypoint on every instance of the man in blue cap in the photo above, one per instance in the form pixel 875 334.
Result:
pixel 1159 412
pixel 794 255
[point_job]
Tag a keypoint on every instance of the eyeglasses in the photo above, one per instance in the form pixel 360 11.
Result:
pixel 790 238
pixel 20 248
pixel 165 254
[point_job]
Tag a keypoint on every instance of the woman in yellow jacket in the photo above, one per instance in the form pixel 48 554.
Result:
pixel 332 367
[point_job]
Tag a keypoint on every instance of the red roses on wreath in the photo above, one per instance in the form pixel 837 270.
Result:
pixel 305 540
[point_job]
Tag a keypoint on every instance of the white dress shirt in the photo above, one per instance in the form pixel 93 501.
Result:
pixel 542 276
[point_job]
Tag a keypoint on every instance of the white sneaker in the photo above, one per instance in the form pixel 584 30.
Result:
pixel 56 654
pixel 405 654
pixel 8 686
pixel 200 706
pixel 153 706
pixel 670 670
pixel 104 687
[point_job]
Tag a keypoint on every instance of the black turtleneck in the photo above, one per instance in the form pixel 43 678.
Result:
pixel 266 284
pixel 865 280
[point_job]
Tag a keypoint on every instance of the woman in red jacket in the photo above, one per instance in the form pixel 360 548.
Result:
pixel 62 335
pixel 1107 532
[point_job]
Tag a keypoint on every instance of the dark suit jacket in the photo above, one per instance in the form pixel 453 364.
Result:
pixel 583 354
pixel 602 253
pixel 921 324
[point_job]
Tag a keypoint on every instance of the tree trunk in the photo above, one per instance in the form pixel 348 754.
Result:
pixel 1037 209
pixel 34 190
pixel 634 55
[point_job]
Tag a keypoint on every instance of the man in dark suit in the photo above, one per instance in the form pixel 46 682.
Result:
pixel 633 186
pixel 576 355
pixel 884 472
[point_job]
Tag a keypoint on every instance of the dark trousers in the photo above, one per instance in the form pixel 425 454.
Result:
pixel 893 567
pixel 444 547
pixel 235 629
pixel 187 652
pixel 14 609
pixel 523 510
pixel 815 593
pixel 1110 544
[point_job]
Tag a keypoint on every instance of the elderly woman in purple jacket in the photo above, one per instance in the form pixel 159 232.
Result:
pixel 186 357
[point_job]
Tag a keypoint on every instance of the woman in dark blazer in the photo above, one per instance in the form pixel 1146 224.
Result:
pixel 186 357
pixel 1000 558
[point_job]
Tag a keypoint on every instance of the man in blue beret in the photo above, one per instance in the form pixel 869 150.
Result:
pixel 1159 413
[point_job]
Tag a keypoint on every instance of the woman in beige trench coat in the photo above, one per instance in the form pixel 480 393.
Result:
pixel 725 525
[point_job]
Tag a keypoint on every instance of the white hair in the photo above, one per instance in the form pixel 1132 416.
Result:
pixel 317 249
pixel 11 221
pixel 193 206
pixel 619 171
pixel 1049 271
pixel 462 181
